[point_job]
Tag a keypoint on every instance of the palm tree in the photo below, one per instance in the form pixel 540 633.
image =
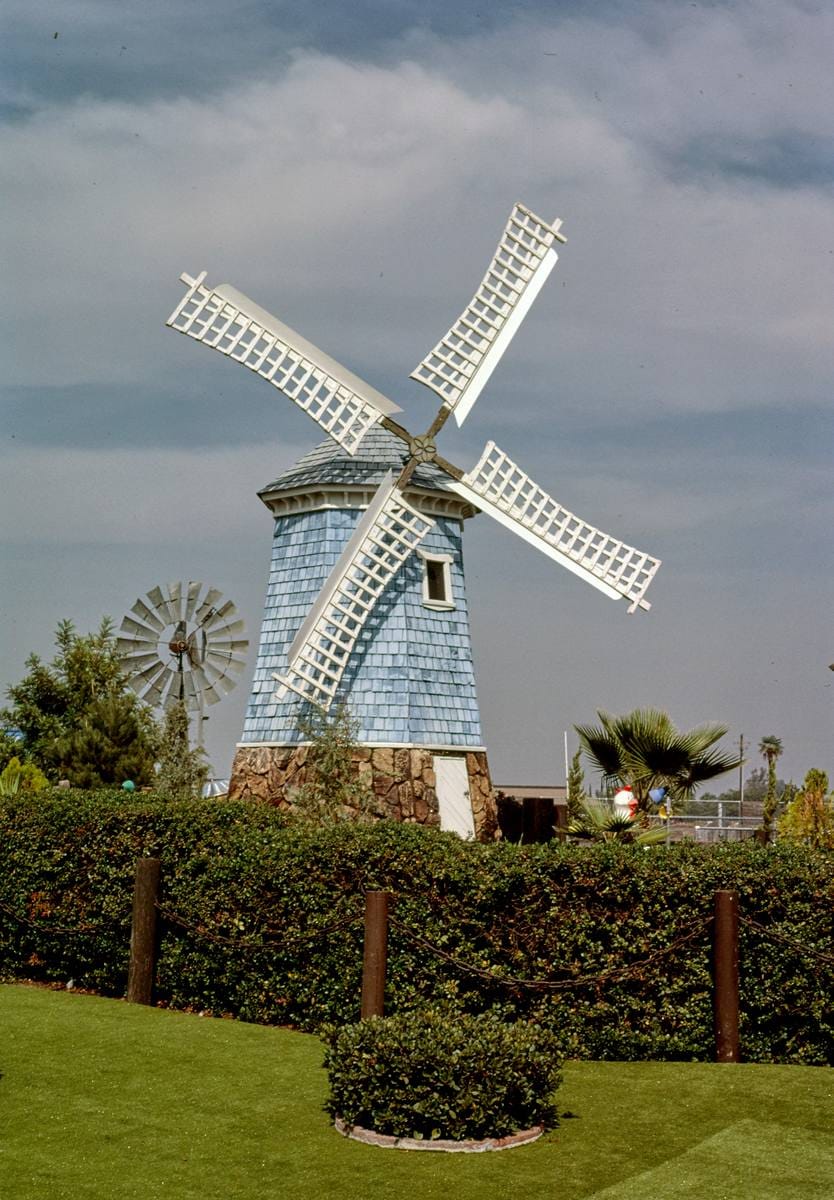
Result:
pixel 770 748
pixel 596 821
pixel 643 750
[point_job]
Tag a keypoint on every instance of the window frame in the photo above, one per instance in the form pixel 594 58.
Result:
pixel 445 563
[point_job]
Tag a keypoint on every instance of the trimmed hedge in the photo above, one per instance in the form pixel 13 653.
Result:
pixel 435 1074
pixel 268 923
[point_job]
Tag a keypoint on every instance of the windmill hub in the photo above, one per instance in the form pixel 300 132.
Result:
pixel 204 637
pixel 423 448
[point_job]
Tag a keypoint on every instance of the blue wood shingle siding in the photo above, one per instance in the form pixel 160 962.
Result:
pixel 411 679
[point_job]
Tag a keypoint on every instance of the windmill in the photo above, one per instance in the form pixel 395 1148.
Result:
pixel 183 644
pixel 348 409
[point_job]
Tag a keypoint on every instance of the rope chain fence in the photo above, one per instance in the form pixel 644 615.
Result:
pixel 242 943
pixel 828 959
pixel 630 970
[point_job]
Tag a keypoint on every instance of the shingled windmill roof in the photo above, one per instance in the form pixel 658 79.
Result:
pixel 378 453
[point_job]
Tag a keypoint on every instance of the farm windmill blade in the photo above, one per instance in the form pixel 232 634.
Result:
pixel 136 661
pixel 224 660
pixel 462 361
pixel 191 597
pixel 218 680
pixel 206 609
pixel 138 633
pixel 224 319
pixel 162 606
pixel 181 646
pixel 497 486
pixel 205 690
pixel 153 682
pixel 222 622
pixel 151 618
pixel 388 532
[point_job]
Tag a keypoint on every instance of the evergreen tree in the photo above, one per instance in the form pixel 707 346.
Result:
pixel 576 786
pixel 76 716
pixel 182 770
pixel 110 743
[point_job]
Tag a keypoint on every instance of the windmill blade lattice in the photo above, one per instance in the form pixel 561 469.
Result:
pixel 224 319
pixel 346 408
pixel 179 643
pixel 389 531
pixel 497 486
pixel 463 360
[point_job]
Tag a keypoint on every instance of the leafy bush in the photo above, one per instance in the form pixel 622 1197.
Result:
pixel 264 921
pixel 437 1074
pixel 19 776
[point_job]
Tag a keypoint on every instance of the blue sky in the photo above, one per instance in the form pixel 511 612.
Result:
pixel 350 167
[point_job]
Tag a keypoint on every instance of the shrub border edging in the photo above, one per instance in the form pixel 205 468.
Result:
pixel 468 1146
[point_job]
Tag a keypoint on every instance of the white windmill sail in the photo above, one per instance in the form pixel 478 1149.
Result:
pixel 387 534
pixel 224 319
pixel 462 361
pixel 498 487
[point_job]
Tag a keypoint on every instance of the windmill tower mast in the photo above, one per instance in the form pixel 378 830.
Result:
pixel 410 682
pixel 349 601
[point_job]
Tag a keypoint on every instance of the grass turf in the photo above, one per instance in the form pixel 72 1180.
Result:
pixel 102 1099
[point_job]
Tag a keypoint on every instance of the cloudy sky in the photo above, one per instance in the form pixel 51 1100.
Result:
pixel 350 166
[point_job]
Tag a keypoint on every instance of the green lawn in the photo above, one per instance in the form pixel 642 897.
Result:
pixel 100 1099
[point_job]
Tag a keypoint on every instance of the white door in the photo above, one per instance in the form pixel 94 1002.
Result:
pixel 453 795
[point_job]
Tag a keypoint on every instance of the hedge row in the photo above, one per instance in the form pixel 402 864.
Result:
pixel 265 923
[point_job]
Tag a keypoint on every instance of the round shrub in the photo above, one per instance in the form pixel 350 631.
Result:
pixel 437 1074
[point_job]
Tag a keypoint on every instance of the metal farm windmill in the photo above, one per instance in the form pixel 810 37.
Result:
pixel 183 645
pixel 393 528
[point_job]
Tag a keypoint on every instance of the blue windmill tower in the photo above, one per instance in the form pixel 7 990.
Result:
pixel 366 600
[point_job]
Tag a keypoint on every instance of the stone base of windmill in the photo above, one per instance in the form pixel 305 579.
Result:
pixel 403 781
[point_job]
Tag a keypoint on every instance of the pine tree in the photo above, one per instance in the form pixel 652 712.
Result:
pixel 76 717
pixel 576 786
pixel 110 743
pixel 182 770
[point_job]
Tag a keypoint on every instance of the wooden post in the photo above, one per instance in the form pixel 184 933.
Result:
pixel 538 819
pixel 376 954
pixel 143 931
pixel 560 812
pixel 725 977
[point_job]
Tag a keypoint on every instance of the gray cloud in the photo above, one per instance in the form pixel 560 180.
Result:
pixel 673 382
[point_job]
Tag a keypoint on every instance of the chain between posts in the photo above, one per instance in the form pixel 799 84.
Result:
pixel 242 943
pixel 787 941
pixel 56 929
pixel 490 975
pixel 632 970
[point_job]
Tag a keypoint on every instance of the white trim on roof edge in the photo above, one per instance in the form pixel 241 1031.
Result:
pixel 369 746
pixel 315 498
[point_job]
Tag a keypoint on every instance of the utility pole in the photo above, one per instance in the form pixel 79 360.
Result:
pixel 741 776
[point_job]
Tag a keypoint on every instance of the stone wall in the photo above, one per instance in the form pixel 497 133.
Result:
pixel 403 781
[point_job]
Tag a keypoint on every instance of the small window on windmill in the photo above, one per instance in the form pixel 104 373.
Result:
pixel 437 580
